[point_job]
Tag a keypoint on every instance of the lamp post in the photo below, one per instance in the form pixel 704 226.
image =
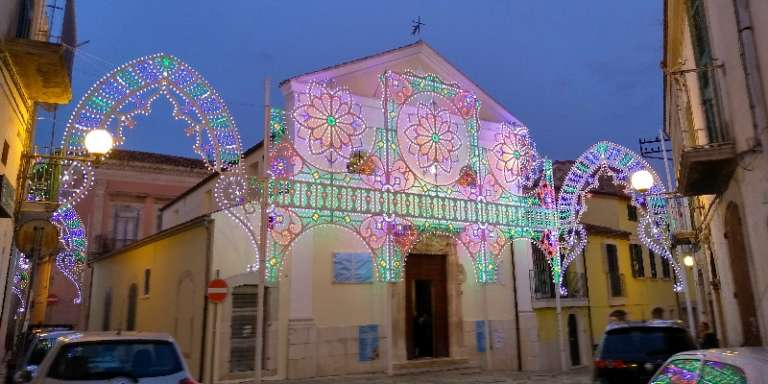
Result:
pixel 642 181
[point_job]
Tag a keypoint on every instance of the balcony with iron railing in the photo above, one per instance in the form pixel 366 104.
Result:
pixel 543 288
pixel 702 141
pixel 42 51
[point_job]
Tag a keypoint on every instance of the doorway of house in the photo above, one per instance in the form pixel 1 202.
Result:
pixel 742 280
pixel 426 306
pixel 573 340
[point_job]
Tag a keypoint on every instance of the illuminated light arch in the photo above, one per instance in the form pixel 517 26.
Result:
pixel 606 158
pixel 112 104
pixel 383 193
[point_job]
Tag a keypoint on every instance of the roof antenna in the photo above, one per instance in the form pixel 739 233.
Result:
pixel 416 26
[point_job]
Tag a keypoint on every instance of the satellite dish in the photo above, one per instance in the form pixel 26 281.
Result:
pixel 37 238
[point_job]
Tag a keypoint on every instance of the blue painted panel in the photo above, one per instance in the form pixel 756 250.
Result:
pixel 353 268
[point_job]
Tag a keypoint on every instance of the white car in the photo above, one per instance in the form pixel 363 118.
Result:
pixel 115 358
pixel 725 365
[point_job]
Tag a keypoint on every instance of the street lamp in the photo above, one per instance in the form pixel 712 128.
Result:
pixel 641 180
pixel 98 142
pixel 688 261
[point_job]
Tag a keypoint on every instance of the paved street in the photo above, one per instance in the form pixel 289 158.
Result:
pixel 577 376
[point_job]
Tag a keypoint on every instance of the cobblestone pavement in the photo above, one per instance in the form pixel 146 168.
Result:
pixel 576 376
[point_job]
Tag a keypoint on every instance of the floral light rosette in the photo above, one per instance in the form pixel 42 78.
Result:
pixel 513 157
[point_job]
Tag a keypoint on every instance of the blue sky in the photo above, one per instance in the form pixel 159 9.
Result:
pixel 574 71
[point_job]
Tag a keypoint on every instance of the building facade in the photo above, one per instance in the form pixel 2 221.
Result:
pixel 35 71
pixel 715 64
pixel 124 206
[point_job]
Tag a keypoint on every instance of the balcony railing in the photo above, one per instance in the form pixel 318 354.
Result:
pixel 105 244
pixel 42 51
pixel 543 288
pixel 616 285
pixel 703 145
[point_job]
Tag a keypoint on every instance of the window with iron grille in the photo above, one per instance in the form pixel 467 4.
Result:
pixel 242 350
pixel 636 255
pixel 614 277
pixel 543 284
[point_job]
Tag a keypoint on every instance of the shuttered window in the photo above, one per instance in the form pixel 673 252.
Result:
pixel 242 350
pixel 636 253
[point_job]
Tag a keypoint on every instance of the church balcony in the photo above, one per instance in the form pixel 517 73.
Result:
pixel 42 52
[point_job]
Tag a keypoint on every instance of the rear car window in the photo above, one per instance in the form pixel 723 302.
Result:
pixel 645 343
pixel 715 372
pixel 679 371
pixel 102 360
pixel 40 349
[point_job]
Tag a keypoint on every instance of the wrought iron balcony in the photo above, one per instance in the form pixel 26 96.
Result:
pixel 42 52
pixel 104 244
pixel 543 288
pixel 702 142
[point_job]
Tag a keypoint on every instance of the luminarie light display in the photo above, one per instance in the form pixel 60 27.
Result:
pixel 606 158
pixel 423 172
pixel 111 105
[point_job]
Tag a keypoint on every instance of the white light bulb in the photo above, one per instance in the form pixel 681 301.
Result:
pixel 688 261
pixel 98 141
pixel 642 180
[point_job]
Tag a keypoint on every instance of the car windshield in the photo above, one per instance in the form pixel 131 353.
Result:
pixel 642 343
pixel 40 349
pixel 102 360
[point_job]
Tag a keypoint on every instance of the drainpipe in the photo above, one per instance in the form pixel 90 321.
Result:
pixel 749 63
pixel 517 312
pixel 204 341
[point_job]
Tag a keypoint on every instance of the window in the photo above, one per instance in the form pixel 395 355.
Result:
pixel 618 315
pixel 665 268
pixel 147 275
pixel 657 313
pixel 104 360
pixel 631 212
pixel 125 227
pixel 133 295
pixel 715 372
pixel 6 150
pixel 636 255
pixel 105 318
pixel 614 277
pixel 652 264
pixel 703 57
pixel 678 371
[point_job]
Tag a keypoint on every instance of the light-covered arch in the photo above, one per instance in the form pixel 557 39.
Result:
pixel 112 103
pixel 607 158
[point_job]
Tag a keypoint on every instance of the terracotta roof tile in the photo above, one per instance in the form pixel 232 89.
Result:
pixel 124 155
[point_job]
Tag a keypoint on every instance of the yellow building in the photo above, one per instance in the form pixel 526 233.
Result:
pixel 616 278
pixel 35 70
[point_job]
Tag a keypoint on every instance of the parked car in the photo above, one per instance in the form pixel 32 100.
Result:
pixel 733 366
pixel 127 357
pixel 631 352
pixel 34 354
pixel 24 342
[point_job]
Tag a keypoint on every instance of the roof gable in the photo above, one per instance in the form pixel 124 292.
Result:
pixel 361 75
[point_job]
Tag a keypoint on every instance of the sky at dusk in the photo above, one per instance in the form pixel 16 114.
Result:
pixel 574 72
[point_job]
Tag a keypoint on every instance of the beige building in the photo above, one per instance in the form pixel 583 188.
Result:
pixel 35 71
pixel 715 76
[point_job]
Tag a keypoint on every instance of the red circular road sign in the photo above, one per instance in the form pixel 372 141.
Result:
pixel 217 290
pixel 52 299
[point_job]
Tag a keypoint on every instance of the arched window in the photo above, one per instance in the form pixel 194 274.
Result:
pixel 657 313
pixel 106 315
pixel 133 295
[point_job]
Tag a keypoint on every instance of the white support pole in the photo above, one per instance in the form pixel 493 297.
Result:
pixel 560 334
pixel 263 221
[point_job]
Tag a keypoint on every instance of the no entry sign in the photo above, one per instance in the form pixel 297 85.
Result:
pixel 217 290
